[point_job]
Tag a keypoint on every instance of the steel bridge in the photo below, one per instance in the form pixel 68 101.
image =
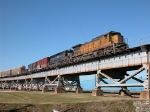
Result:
pixel 114 66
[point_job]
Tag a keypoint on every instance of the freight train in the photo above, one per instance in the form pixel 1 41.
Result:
pixel 104 45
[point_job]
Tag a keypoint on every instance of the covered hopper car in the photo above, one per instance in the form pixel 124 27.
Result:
pixel 13 72
pixel 6 73
pixel 18 70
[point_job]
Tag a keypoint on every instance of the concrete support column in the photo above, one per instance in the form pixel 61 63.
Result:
pixel 58 90
pixel 97 92
pixel 145 94
pixel 44 89
pixel 79 90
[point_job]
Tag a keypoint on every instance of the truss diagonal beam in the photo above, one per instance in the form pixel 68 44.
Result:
pixel 130 76
pixel 104 81
pixel 48 80
pixel 139 80
pixel 54 80
pixel 99 72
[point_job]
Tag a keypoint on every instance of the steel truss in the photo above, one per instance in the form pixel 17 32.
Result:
pixel 120 83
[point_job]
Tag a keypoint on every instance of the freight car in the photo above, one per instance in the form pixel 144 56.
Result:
pixel 13 72
pixel 54 61
pixel 32 67
pixel 43 63
pixel 18 70
pixel 6 73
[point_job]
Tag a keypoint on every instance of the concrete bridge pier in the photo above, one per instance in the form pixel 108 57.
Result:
pixel 97 92
pixel 145 94
pixel 44 89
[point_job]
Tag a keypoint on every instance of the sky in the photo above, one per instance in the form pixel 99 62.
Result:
pixel 33 29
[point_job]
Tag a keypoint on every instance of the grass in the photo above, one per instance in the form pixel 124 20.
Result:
pixel 50 98
pixel 42 102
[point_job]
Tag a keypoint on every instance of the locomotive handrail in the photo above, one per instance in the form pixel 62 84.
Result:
pixel 139 42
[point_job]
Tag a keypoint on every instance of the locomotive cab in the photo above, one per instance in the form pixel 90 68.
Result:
pixel 116 37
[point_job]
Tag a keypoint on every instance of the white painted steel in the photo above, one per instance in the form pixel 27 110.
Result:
pixel 117 61
pixel 125 59
pixel 121 85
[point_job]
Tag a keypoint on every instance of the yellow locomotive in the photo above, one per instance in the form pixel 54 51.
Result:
pixel 100 42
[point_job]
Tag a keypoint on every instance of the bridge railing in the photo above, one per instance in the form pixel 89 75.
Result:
pixel 139 42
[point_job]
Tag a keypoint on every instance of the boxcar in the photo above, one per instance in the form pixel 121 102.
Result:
pixel 45 62
pixel 18 70
pixel 38 64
